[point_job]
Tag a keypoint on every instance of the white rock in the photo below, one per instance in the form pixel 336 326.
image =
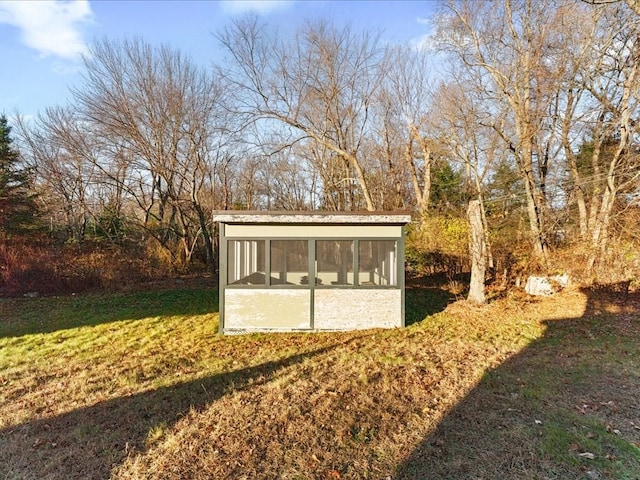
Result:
pixel 545 286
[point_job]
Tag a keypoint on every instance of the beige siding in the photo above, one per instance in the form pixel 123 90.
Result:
pixel 255 309
pixel 314 231
pixel 349 309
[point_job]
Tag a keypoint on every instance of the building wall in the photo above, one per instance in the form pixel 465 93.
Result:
pixel 282 309
pixel 333 309
pixel 349 309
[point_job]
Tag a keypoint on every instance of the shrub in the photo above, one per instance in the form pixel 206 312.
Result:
pixel 28 268
pixel 43 269
pixel 438 244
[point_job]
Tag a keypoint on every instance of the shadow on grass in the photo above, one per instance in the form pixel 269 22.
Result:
pixel 544 413
pixel 89 442
pixel 424 300
pixel 49 314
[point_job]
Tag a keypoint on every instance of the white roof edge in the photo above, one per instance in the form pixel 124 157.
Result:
pixel 312 217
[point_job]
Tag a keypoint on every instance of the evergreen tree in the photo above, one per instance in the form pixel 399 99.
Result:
pixel 17 204
pixel 505 191
pixel 447 188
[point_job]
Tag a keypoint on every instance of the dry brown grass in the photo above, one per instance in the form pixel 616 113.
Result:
pixel 153 393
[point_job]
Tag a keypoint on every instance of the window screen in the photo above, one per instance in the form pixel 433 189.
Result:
pixel 377 262
pixel 289 262
pixel 245 262
pixel 334 262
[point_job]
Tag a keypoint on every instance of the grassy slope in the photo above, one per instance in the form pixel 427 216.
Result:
pixel 139 386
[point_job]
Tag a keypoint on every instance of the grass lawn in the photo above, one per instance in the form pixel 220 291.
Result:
pixel 140 385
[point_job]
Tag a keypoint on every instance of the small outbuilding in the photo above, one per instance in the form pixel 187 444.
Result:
pixel 284 271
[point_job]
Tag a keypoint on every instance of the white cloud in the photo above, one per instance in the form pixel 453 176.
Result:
pixel 50 27
pixel 424 42
pixel 257 6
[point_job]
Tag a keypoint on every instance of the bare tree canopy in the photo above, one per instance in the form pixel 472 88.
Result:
pixel 633 4
pixel 321 84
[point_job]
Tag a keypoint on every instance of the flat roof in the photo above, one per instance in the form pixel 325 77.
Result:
pixel 266 217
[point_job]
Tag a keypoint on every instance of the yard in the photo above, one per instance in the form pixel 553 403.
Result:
pixel 140 385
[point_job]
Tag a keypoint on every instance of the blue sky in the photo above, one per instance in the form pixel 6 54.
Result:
pixel 41 42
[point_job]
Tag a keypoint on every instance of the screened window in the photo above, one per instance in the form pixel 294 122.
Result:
pixel 334 262
pixel 246 262
pixel 289 262
pixel 377 262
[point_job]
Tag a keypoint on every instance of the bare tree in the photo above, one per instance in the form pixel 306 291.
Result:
pixel 466 133
pixel 614 83
pixel 320 85
pixel 633 4
pixel 574 109
pixel 155 111
pixel 508 42
pixel 599 103
pixel 65 178
pixel 287 180
pixel 404 108
pixel 478 253
pixel 558 94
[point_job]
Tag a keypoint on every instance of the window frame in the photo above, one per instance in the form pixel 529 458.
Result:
pixel 312 264
pixel 239 252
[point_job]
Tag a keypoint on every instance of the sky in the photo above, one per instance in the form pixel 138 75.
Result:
pixel 42 42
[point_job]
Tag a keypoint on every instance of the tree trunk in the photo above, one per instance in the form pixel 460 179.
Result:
pixel 478 253
pixel 600 235
pixel 423 193
pixel 534 205
pixel 206 236
pixel 578 189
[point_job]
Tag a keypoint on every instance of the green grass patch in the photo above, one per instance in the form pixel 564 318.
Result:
pixel 590 445
pixel 49 314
